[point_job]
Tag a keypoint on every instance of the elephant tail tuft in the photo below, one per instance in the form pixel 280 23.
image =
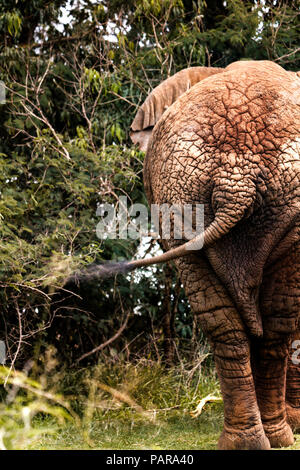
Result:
pixel 100 271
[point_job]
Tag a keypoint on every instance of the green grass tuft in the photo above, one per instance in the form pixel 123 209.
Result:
pixel 133 406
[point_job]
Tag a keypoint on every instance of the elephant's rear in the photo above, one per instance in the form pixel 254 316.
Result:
pixel 232 144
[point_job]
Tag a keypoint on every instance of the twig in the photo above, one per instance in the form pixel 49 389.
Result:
pixel 19 343
pixel 121 396
pixel 207 399
pixel 106 343
pixel 288 55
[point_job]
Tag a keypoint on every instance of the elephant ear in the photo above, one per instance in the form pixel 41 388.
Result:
pixel 161 98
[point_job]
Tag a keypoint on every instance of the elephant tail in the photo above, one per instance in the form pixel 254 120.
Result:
pixel 216 230
pixel 220 226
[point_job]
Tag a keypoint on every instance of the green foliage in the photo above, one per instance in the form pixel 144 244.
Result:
pixel 13 22
pixel 159 9
pixel 123 405
pixel 73 88
pixel 26 398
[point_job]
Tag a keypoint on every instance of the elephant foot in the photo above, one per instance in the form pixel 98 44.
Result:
pixel 279 437
pixel 250 439
pixel 293 417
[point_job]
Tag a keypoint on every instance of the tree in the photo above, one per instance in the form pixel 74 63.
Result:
pixel 72 91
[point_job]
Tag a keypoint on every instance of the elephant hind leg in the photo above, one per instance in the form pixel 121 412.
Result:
pixel 222 324
pixel 279 306
pixel 293 417
pixel 269 364
pixel 293 384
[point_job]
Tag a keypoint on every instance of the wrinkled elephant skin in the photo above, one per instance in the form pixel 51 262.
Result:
pixel 232 143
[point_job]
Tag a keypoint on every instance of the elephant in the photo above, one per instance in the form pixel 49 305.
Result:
pixel 229 139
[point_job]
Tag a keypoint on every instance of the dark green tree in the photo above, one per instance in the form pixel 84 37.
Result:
pixel 75 73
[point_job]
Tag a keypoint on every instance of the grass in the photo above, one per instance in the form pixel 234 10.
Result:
pixel 176 431
pixel 132 406
pixel 137 406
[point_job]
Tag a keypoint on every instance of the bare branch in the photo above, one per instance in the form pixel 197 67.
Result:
pixel 106 343
pixel 288 55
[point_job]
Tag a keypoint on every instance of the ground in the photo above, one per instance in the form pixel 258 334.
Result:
pixel 117 405
pixel 176 431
